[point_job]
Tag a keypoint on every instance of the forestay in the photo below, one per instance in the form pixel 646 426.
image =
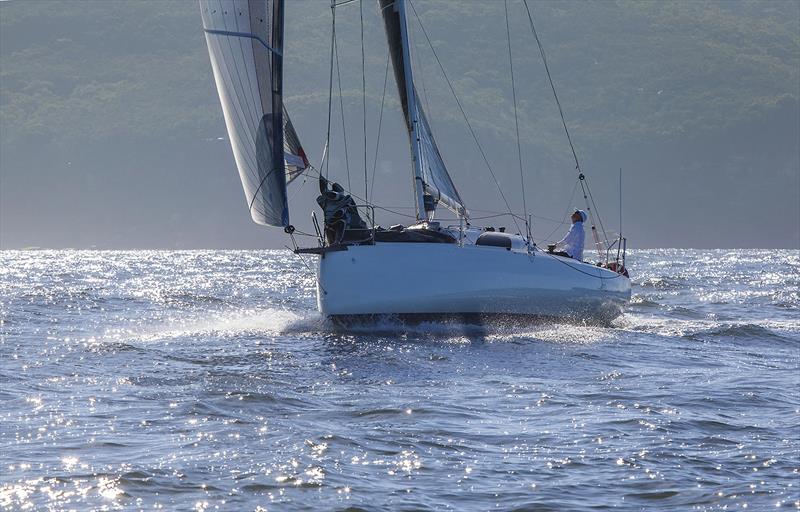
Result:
pixel 245 42
pixel 430 168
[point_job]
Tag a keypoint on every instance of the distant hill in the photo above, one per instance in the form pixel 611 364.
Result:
pixel 624 69
pixel 698 100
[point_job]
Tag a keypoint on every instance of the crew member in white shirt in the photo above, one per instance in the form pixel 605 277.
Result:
pixel 572 244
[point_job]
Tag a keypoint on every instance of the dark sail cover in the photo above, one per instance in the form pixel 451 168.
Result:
pixel 245 42
pixel 436 180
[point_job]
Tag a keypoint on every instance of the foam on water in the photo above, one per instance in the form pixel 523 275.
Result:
pixel 269 321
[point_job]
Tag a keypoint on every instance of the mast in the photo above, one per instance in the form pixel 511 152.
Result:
pixel 394 14
pixel 419 193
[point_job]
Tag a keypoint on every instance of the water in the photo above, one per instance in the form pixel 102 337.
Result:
pixel 206 380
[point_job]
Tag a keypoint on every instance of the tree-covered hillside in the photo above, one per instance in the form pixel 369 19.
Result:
pixel 97 69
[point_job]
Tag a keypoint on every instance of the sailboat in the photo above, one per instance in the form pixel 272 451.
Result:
pixel 420 270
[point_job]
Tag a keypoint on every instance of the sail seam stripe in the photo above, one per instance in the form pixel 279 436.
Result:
pixel 240 112
pixel 246 112
pixel 249 81
pixel 237 113
pixel 261 184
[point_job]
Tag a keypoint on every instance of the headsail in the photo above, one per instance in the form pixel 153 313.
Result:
pixel 436 184
pixel 245 42
pixel 294 155
pixel 436 179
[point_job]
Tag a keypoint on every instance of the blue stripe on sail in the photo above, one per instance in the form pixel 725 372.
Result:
pixel 243 34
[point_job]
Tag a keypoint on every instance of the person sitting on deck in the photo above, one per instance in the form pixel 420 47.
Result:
pixel 341 213
pixel 572 244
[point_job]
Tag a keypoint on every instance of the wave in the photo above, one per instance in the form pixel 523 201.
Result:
pixel 702 329
pixel 189 298
pixel 640 301
pixel 742 331
pixel 662 283
pixel 684 312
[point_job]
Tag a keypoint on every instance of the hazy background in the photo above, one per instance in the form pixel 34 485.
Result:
pixel 111 132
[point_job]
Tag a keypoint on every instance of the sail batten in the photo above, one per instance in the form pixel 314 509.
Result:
pixel 244 34
pixel 245 43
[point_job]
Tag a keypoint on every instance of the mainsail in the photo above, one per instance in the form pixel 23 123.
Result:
pixel 432 180
pixel 245 42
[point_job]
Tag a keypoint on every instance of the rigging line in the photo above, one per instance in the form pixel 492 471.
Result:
pixel 297 189
pixel 297 232
pixel 375 206
pixel 258 189
pixel 596 211
pixel 378 136
pixel 484 217
pixel 548 238
pixel 303 233
pixel 364 102
pixel 421 75
pixel 463 113
pixel 516 119
pixel 500 214
pixel 316 276
pixel 341 110
pixel 494 214
pixel 325 164
pixel 597 244
pixel 552 86
pixel 620 201
pixel 616 275
pixel 406 215
pixel 566 130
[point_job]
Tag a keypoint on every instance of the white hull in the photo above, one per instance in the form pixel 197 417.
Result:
pixel 433 279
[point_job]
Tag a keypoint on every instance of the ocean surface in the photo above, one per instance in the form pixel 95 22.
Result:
pixel 206 380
